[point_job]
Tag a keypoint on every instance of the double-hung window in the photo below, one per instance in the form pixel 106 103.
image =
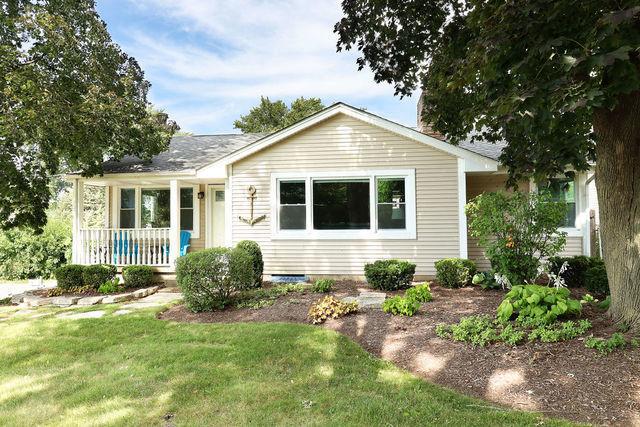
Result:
pixel 373 204
pixel 564 190
pixel 127 208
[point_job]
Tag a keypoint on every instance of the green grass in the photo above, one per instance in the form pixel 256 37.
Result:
pixel 134 369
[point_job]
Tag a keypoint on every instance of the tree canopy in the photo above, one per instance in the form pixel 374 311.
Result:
pixel 270 116
pixel 69 99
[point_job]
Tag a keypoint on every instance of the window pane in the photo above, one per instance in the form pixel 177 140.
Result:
pixel 292 193
pixel 186 197
pixel 564 190
pixel 341 205
pixel 293 217
pixel 186 219
pixel 127 198
pixel 155 209
pixel 392 216
pixel 127 218
pixel 391 190
pixel 219 196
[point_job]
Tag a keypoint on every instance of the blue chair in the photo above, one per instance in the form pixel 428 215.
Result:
pixel 121 245
pixel 185 238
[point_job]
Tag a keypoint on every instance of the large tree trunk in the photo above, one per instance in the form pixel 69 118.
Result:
pixel 618 184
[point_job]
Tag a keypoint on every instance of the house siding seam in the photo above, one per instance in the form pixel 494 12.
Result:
pixel 344 143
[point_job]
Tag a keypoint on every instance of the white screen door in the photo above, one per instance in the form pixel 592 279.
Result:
pixel 217 224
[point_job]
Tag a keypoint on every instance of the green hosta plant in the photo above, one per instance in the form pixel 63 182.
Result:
pixel 401 306
pixel 420 293
pixel 537 305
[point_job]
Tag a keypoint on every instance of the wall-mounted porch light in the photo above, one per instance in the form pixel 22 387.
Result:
pixel 200 195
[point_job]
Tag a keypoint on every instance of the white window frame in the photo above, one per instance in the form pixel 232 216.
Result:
pixel 195 233
pixel 373 233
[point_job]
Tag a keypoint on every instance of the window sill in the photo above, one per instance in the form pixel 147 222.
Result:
pixel 571 231
pixel 344 235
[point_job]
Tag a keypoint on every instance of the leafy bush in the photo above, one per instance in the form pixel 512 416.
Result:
pixel 137 276
pixel 401 306
pixel 69 276
pixel 517 230
pixel 455 272
pixel 209 278
pixel 253 249
pixel 323 285
pixel 27 255
pixel 596 279
pixel 96 275
pixel 420 293
pixel 477 330
pixel 330 308
pixel 537 305
pixel 111 286
pixel 390 274
pixel 606 346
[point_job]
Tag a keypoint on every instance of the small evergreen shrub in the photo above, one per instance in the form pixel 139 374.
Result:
pixel 137 276
pixel 253 249
pixel 537 305
pixel 69 276
pixel 455 272
pixel 330 308
pixel 390 274
pixel 323 285
pixel 403 306
pixel 596 280
pixel 96 275
pixel 210 277
pixel 420 293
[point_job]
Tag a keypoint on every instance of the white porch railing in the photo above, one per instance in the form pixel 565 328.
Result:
pixel 124 246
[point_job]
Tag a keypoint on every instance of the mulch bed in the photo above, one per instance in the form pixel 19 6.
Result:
pixel 559 379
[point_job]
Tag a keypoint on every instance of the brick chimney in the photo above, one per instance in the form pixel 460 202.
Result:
pixel 421 125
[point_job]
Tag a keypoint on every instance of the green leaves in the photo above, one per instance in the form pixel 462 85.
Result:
pixel 270 116
pixel 537 305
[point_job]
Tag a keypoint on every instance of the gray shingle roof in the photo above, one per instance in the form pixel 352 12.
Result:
pixel 185 153
pixel 487 149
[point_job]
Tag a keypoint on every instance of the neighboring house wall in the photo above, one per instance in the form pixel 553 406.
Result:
pixel 478 184
pixel 342 144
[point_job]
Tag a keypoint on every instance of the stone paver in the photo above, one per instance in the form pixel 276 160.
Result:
pixel 117 298
pixel 155 300
pixel 368 299
pixel 86 315
pixel 36 301
pixel 121 312
pixel 90 301
pixel 65 301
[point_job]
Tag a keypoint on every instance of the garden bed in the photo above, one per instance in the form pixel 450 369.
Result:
pixel 563 379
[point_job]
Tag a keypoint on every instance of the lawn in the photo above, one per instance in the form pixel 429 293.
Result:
pixel 137 370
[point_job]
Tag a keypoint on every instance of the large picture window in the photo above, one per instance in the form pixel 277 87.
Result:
pixel 341 204
pixel 345 205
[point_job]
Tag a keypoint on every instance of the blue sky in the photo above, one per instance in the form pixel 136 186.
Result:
pixel 210 60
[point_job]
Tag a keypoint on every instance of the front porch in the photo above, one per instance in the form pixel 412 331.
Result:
pixel 145 220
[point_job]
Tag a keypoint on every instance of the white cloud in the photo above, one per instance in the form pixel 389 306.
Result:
pixel 228 53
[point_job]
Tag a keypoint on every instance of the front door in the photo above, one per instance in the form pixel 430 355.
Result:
pixel 217 226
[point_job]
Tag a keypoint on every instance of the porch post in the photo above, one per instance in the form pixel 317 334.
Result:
pixel 462 216
pixel 77 208
pixel 174 232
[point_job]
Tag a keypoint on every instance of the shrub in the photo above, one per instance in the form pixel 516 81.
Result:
pixel 455 272
pixel 209 278
pixel 111 286
pixel 27 255
pixel 401 306
pixel 537 305
pixel 486 280
pixel 420 293
pixel 96 275
pixel 323 285
pixel 390 274
pixel 517 230
pixel 253 249
pixel 330 308
pixel 69 276
pixel 137 276
pixel 596 280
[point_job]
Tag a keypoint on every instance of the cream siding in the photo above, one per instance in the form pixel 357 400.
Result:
pixel 343 143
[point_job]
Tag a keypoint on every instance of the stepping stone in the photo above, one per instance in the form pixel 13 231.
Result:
pixel 155 300
pixel 65 301
pixel 117 298
pixel 368 299
pixel 121 312
pixel 90 301
pixel 36 301
pixel 85 315
pixel 140 293
pixel 17 299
